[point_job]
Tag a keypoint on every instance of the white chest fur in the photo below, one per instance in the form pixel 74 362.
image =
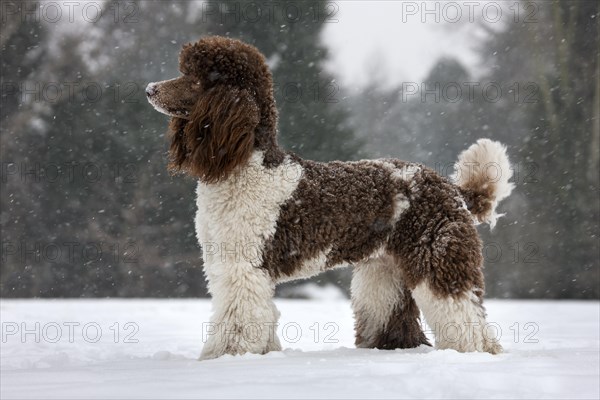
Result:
pixel 235 217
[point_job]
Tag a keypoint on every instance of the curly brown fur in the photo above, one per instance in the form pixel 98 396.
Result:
pixel 222 108
pixel 436 239
pixel 218 61
pixel 219 135
pixel 276 217
pixel 330 209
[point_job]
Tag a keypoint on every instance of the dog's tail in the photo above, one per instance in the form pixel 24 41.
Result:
pixel 482 174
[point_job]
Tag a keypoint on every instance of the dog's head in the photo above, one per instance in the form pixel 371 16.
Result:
pixel 222 107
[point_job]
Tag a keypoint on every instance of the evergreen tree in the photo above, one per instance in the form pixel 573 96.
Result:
pixel 23 44
pixel 129 223
pixel 557 145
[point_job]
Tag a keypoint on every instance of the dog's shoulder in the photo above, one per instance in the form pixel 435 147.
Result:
pixel 248 201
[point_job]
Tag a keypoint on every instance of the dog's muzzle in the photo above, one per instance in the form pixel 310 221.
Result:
pixel 151 89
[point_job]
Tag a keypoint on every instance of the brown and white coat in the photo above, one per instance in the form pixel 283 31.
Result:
pixel 266 216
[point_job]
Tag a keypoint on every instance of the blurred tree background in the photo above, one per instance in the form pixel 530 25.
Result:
pixel 87 208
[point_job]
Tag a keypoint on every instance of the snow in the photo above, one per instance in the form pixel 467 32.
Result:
pixel 554 355
pixel 311 290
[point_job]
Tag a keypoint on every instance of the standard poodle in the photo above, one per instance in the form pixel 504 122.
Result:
pixel 266 216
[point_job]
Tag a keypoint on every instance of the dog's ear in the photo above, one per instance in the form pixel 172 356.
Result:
pixel 178 149
pixel 219 135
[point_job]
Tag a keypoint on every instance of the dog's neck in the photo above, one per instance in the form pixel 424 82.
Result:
pixel 258 170
pixel 266 143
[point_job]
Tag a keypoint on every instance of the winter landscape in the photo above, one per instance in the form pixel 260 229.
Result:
pixel 103 289
pixel 551 351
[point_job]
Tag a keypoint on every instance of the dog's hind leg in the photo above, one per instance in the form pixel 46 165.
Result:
pixel 386 316
pixel 447 284
pixel 459 322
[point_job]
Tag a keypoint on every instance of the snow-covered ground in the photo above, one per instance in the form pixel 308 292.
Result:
pixel 148 349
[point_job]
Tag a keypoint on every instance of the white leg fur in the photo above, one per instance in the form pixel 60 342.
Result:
pixel 234 220
pixel 458 323
pixel 376 290
pixel 245 318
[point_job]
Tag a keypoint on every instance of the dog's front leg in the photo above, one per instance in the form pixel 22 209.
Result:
pixel 245 317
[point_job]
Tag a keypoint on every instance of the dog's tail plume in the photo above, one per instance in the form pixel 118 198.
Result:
pixel 482 174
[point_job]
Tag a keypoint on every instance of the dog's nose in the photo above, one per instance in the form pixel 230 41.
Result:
pixel 151 89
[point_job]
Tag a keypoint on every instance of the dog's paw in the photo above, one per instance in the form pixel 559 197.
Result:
pixel 274 345
pixel 493 347
pixel 234 349
pixel 209 355
pixel 211 351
